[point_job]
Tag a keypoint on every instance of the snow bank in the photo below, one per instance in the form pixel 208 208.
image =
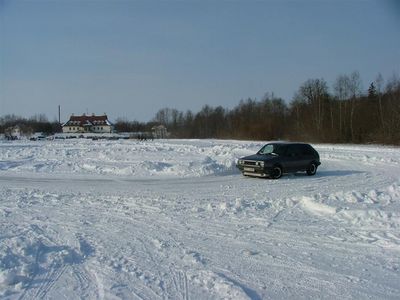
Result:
pixel 374 208
pixel 165 158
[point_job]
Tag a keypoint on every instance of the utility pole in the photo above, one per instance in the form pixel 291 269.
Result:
pixel 59 114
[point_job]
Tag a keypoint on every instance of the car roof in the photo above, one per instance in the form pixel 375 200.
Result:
pixel 287 143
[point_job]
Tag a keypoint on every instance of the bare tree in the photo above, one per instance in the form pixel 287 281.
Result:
pixel 340 88
pixel 314 92
pixel 393 107
pixel 379 86
pixel 355 92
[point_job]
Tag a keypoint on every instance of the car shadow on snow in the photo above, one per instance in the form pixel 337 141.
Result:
pixel 322 174
pixel 337 173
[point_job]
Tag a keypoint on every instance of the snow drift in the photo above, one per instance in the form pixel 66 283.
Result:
pixel 174 219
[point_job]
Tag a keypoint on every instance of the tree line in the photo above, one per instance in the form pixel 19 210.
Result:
pixel 36 123
pixel 346 114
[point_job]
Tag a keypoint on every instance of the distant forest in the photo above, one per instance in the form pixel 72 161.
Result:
pixel 347 114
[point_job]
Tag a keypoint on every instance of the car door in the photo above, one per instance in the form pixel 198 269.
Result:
pixel 292 158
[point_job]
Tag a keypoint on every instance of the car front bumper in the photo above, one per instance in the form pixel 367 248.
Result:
pixel 254 171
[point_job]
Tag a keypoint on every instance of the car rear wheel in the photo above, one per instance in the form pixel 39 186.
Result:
pixel 276 172
pixel 312 169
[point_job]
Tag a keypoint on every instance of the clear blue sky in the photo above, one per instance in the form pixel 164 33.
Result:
pixel 131 58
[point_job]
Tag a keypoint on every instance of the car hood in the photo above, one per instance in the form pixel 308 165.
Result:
pixel 262 157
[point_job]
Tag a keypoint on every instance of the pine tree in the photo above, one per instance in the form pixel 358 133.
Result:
pixel 372 91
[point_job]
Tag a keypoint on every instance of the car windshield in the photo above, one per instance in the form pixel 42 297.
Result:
pixel 267 149
pixel 273 149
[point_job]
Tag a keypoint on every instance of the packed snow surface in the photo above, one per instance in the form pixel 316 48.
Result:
pixel 174 219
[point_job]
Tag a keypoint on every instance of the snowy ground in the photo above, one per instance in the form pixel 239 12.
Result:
pixel 174 219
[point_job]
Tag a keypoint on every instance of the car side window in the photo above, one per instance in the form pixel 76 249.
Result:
pixel 280 149
pixel 293 151
pixel 307 150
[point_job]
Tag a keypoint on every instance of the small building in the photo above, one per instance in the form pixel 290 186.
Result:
pixel 159 132
pixel 88 124
pixel 13 133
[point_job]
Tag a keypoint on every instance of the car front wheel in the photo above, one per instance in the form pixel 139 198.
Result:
pixel 312 169
pixel 276 172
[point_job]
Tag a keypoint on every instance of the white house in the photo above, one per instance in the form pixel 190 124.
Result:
pixel 160 132
pixel 88 124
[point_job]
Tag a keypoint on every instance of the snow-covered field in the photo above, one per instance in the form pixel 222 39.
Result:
pixel 174 219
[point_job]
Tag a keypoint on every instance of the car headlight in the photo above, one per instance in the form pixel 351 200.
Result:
pixel 261 164
pixel 241 162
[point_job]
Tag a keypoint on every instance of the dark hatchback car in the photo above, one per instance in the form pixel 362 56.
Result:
pixel 275 159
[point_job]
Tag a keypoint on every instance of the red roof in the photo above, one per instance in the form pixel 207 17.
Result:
pixel 88 120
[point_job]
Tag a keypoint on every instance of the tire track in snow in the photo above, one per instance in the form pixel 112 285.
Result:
pixel 312 244
pixel 49 281
pixel 46 283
